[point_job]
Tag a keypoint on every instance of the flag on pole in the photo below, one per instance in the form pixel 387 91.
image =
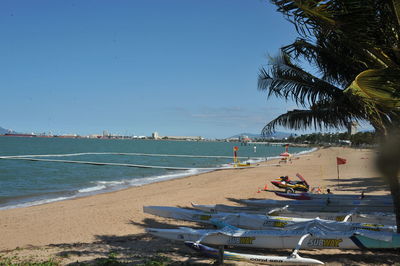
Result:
pixel 340 161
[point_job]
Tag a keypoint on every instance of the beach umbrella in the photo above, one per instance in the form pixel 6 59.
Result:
pixel 286 153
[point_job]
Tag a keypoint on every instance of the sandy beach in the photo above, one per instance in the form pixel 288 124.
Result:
pixel 90 228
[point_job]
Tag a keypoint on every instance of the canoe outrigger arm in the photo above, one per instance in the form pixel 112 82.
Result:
pixel 347 217
pixel 351 213
pixel 294 253
pixel 277 211
pixel 201 238
pixel 220 254
pixel 296 250
pixel 271 212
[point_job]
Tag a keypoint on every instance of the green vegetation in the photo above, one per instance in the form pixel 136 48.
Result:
pixel 354 48
pixel 15 262
pixel 158 260
pixel 111 260
pixel 358 139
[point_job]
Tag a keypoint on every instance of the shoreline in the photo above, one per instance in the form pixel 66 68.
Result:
pixel 101 189
pixel 115 220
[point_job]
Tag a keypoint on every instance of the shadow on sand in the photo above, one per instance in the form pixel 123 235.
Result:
pixel 134 249
pixel 144 249
pixel 372 184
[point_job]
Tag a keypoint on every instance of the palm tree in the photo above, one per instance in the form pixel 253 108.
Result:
pixel 327 106
pixel 355 44
pixel 346 39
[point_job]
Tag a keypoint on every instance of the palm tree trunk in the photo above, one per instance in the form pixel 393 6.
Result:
pixel 395 6
pixel 388 163
pixel 395 191
pixel 394 187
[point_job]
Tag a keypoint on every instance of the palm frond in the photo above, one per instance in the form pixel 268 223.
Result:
pixel 286 80
pixel 378 86
pixel 303 14
pixel 355 17
pixel 354 44
pixel 316 117
pixel 371 25
pixel 327 54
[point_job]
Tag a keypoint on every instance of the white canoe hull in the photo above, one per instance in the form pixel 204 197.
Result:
pixel 322 205
pixel 314 196
pixel 271 239
pixel 257 221
pixel 258 259
pixel 377 218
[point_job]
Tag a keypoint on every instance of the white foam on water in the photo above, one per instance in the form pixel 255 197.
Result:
pixel 255 160
pixel 153 179
pixel 295 154
pixel 91 189
pixel 34 203
pixel 106 186
pixel 306 151
pixel 111 183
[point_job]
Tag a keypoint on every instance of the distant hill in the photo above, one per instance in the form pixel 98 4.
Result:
pixel 3 131
pixel 276 135
pixel 280 135
pixel 250 135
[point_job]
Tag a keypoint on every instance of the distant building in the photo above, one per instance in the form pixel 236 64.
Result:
pixel 244 138
pixel 344 142
pixel 232 140
pixel 106 134
pixel 155 135
pixel 352 128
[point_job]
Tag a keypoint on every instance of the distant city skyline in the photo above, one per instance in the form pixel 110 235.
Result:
pixel 352 129
pixel 134 67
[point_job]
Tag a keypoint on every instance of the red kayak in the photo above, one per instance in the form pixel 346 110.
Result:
pixel 296 196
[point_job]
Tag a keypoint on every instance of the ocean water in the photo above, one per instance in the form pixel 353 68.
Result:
pixel 26 183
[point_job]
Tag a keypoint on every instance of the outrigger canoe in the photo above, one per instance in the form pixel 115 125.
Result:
pixel 258 221
pixel 287 211
pixel 312 196
pixel 293 259
pixel 317 238
pixel 325 205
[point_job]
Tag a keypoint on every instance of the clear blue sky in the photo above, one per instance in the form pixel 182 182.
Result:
pixel 179 67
